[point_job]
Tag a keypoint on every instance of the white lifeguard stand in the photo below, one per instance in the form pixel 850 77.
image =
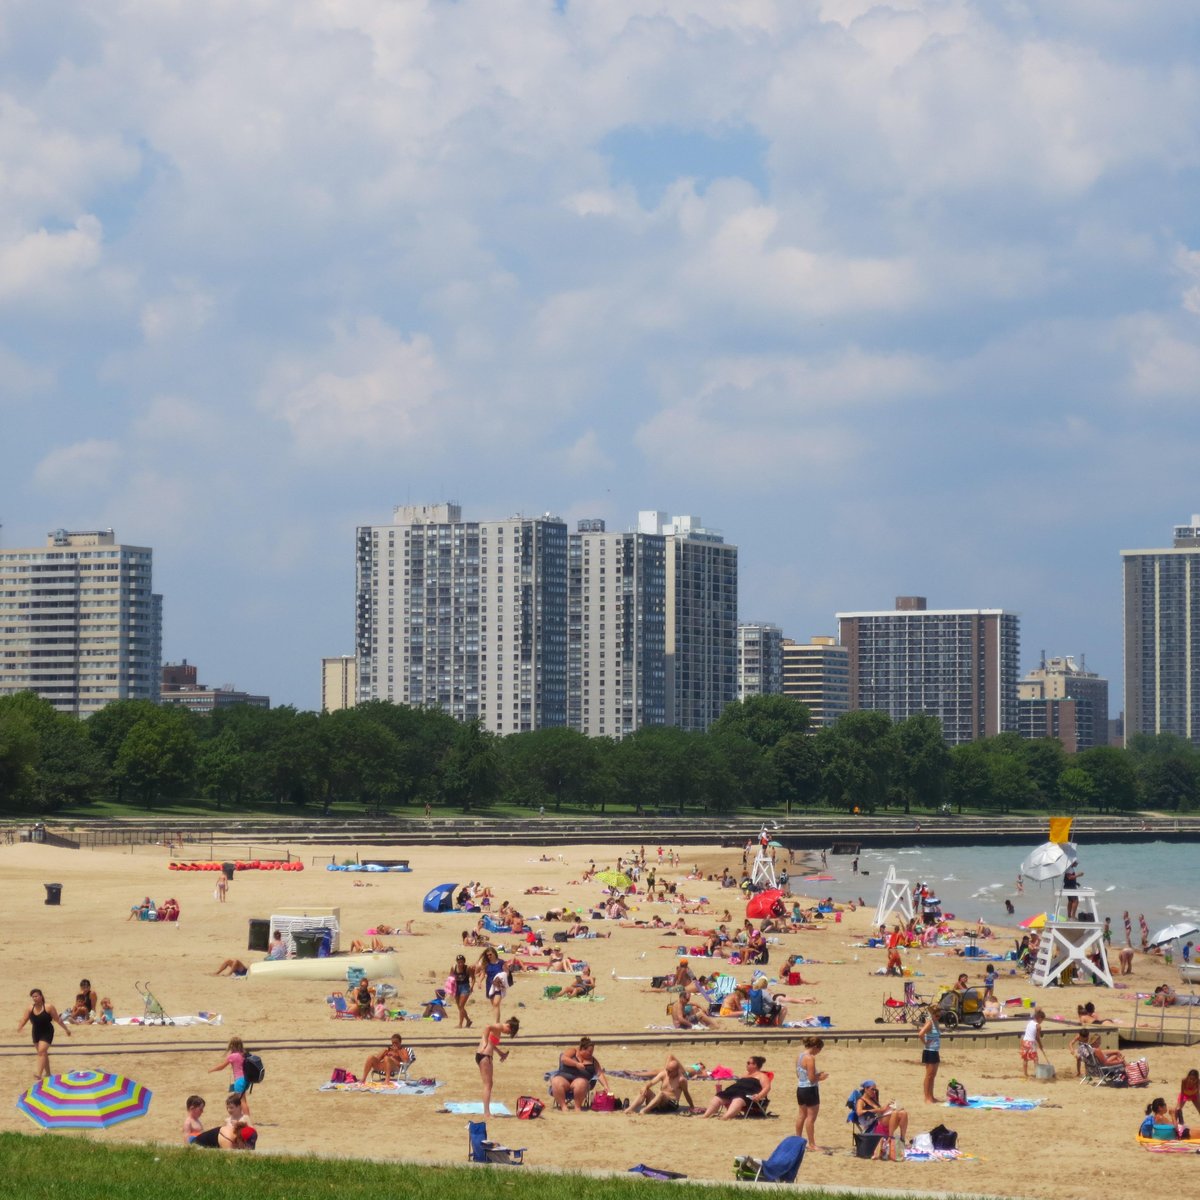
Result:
pixel 762 873
pixel 896 897
pixel 1070 942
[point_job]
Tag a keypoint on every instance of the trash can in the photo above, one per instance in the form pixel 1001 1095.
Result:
pixel 53 893
pixel 308 942
pixel 228 868
pixel 260 935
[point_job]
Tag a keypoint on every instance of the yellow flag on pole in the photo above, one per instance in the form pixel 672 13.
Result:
pixel 1060 829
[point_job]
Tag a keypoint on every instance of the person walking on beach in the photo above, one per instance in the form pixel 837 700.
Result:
pixel 463 977
pixel 808 1090
pixel 41 1016
pixel 931 1054
pixel 1031 1041
pixel 235 1060
pixel 485 1052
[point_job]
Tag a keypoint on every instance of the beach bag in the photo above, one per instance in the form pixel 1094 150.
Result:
pixel 1137 1074
pixel 561 936
pixel 450 987
pixel 866 1145
pixel 943 1138
pixel 529 1107
pixel 956 1094
pixel 338 1076
pixel 253 1069
pixel 604 1102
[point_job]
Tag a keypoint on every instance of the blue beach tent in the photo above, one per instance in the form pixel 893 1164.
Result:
pixel 440 898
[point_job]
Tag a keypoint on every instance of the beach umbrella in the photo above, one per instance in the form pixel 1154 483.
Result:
pixel 761 904
pixel 774 845
pixel 84 1100
pixel 1049 861
pixel 615 879
pixel 1173 932
pixel 1034 922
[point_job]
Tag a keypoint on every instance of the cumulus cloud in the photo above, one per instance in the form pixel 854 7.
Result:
pixel 182 312
pixel 371 389
pixel 38 266
pixel 79 467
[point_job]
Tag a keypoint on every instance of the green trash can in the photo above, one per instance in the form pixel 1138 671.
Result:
pixel 260 934
pixel 308 942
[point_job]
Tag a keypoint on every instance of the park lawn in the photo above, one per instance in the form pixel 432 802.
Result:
pixel 34 1166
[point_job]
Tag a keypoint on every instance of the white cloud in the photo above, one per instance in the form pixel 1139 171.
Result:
pixel 20 378
pixel 585 456
pixel 371 390
pixel 38 266
pixel 182 312
pixel 177 420
pixel 80 467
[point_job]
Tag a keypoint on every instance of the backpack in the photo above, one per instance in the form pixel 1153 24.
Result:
pixel 253 1069
pixel 943 1138
pixel 529 1107
pixel 956 1094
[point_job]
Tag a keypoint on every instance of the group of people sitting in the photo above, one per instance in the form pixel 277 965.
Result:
pixel 235 1132
pixel 168 910
pixel 87 1009
pixel 1164 1124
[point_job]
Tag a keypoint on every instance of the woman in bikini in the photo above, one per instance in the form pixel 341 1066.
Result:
pixel 41 1017
pixel 394 1055
pixel 485 1052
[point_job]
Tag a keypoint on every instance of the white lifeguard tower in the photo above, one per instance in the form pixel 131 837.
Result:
pixel 762 873
pixel 896 897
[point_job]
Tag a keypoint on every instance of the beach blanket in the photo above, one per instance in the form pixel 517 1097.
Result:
pixel 1001 1103
pixel 938 1156
pixel 186 1019
pixel 398 1087
pixel 1185 1146
pixel 475 1108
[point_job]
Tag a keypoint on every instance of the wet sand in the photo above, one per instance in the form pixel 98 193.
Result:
pixel 1078 1142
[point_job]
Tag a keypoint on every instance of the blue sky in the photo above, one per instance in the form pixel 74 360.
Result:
pixel 904 299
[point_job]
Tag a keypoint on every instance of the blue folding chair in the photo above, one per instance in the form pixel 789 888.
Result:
pixel 781 1167
pixel 480 1150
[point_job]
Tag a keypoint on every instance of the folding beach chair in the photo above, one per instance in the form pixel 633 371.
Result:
pixel 480 1150
pixel 339 1008
pixel 781 1167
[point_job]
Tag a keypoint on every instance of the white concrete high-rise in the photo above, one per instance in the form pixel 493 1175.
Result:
pixel 80 624
pixel 759 660
pixel 701 619
pixel 616 648
pixel 339 682
pixel 466 616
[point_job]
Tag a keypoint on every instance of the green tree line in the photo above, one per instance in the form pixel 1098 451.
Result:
pixel 382 757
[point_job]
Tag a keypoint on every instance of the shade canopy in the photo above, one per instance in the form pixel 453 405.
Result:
pixel 613 879
pixel 762 904
pixel 1172 933
pixel 439 899
pixel 1034 922
pixel 84 1100
pixel 1049 861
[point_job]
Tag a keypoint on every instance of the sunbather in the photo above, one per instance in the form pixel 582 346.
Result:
pixel 232 966
pixel 872 1117
pixel 687 1012
pixel 391 1058
pixel 1106 1058
pixel 584 984
pixel 731 1100
pixel 578 1072
pixel 672 1084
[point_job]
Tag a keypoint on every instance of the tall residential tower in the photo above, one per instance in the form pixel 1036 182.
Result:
pixel 959 665
pixel 80 624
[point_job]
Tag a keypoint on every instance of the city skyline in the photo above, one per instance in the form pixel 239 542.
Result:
pixel 903 299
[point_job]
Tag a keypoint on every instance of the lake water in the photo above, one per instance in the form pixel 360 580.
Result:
pixel 1159 879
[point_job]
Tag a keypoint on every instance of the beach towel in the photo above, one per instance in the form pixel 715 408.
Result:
pixel 475 1108
pixel 186 1019
pixel 398 1087
pixel 655 1172
pixel 1185 1146
pixel 937 1156
pixel 1000 1103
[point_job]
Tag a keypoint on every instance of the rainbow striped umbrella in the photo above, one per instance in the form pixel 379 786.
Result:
pixel 84 1100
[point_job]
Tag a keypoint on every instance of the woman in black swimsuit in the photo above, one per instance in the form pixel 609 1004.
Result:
pixel 41 1017
pixel 734 1098
pixel 463 977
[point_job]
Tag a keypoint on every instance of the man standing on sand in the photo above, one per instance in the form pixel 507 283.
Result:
pixel 1031 1041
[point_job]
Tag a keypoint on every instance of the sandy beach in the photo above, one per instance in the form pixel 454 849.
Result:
pixel 1079 1140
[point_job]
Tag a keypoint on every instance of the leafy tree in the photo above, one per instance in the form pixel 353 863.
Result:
pixel 157 758
pixel 18 758
pixel 1045 760
pixel 471 770
pixel 1076 789
pixel 797 766
pixel 763 720
pixel 859 752
pixel 653 768
pixel 969 779
pixel 1114 780
pixel 922 761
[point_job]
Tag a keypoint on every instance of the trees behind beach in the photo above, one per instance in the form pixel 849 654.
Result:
pixel 761 754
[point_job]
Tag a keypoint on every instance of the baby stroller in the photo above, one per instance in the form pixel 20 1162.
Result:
pixel 153 1013
pixel 961 1008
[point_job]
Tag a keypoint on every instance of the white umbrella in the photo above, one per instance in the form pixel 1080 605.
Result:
pixel 1049 861
pixel 1173 932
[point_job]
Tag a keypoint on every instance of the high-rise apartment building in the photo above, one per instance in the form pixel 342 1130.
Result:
pixel 80 624
pixel 959 665
pixel 1162 637
pixel 466 616
pixel 616 631
pixel 1064 701
pixel 818 675
pixel 339 682
pixel 759 660
pixel 701 619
